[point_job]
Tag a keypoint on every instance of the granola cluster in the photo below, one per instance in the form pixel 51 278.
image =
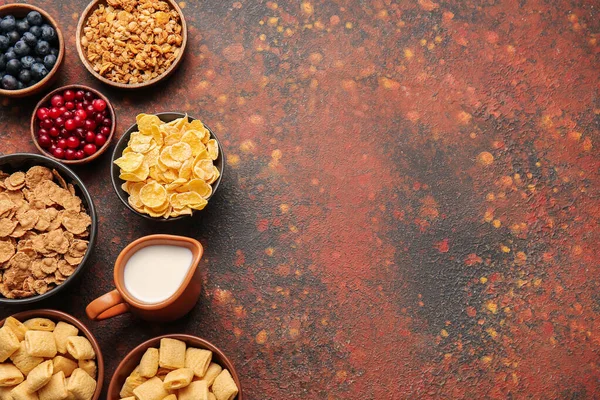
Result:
pixel 132 41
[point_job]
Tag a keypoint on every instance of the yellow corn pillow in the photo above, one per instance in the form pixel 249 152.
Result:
pixel 89 366
pixel 64 364
pixel 40 344
pixel 211 373
pixel 40 375
pixel 149 363
pixel 10 375
pixel 152 389
pixel 40 324
pixel 224 386
pixel 55 389
pixel 197 390
pixel 62 333
pixel 178 378
pixel 9 343
pixel 24 361
pixel 22 392
pixel 80 348
pixel 81 385
pixel 171 353
pixel 198 360
pixel 17 327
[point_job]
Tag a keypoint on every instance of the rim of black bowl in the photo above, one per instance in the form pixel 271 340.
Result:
pixel 23 158
pixel 118 152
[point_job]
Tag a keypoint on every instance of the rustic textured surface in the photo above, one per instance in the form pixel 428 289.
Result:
pixel 411 199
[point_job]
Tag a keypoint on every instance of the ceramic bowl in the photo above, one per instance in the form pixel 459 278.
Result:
pixel 46 101
pixel 92 6
pixel 57 316
pixel 19 11
pixel 24 161
pixel 118 152
pixel 132 359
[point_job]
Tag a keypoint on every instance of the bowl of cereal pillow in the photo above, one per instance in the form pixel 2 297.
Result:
pixel 49 354
pixel 48 227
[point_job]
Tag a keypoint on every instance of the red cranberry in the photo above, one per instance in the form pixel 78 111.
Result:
pixel 90 136
pixel 73 142
pixel 78 106
pixel 81 114
pixel 69 95
pixel 55 112
pixel 54 132
pixel 58 152
pixel 100 140
pixel 44 141
pixel 79 154
pixel 89 149
pixel 105 130
pixel 89 96
pixel 46 123
pixel 80 132
pixel 106 122
pixel 57 100
pixel 61 143
pixel 99 117
pixel 70 154
pixel 52 147
pixel 63 110
pixel 86 103
pixel 70 124
pixel 60 121
pixel 78 121
pixel 90 125
pixel 64 133
pixel 79 94
pixel 89 109
pixel 67 115
pixel 43 131
pixel 70 105
pixel 99 104
pixel 42 113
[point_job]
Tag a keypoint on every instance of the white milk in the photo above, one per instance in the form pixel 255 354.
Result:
pixel 154 273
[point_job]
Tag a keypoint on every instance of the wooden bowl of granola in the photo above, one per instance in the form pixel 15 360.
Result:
pixel 148 41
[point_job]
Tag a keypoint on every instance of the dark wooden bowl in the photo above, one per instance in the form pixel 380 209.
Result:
pixel 35 120
pixel 56 316
pixel 118 152
pixel 22 162
pixel 132 359
pixel 80 51
pixel 20 10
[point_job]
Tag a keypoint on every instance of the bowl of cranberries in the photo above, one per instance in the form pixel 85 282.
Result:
pixel 31 50
pixel 73 124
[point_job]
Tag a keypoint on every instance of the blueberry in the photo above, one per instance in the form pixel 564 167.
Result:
pixel 13 37
pixel 25 75
pixel 48 33
pixel 4 42
pixel 22 25
pixel 29 38
pixel 49 61
pixel 13 67
pixel 3 61
pixel 54 52
pixel 10 54
pixel 34 18
pixel 8 23
pixel 39 60
pixel 27 62
pixel 42 48
pixel 38 71
pixel 36 30
pixel 21 48
pixel 9 82
pixel 20 85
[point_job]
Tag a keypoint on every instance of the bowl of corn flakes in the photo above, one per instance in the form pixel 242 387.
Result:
pixel 48 227
pixel 167 166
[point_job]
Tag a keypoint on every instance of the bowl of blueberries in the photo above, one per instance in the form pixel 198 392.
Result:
pixel 31 49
